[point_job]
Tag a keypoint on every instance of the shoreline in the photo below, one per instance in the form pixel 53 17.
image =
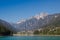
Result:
pixel 35 35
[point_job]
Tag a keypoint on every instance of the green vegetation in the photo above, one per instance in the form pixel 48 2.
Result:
pixel 36 32
pixel 52 28
pixel 48 31
pixel 4 31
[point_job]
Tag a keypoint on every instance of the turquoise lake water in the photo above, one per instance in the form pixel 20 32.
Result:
pixel 30 38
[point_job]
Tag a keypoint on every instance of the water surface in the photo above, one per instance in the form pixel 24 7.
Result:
pixel 30 38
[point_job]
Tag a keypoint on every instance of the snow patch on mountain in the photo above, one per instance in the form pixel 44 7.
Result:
pixel 41 15
pixel 56 16
pixel 22 20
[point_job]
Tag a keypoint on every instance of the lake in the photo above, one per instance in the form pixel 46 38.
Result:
pixel 30 38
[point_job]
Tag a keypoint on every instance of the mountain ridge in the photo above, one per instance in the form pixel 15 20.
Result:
pixel 34 23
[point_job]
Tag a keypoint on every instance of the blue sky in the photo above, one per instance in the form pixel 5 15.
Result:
pixel 14 10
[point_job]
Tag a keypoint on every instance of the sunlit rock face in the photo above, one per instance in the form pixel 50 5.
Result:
pixel 41 15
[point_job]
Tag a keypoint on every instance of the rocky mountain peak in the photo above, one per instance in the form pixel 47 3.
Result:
pixel 41 15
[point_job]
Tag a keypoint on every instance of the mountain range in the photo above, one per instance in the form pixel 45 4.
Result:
pixel 38 21
pixel 35 22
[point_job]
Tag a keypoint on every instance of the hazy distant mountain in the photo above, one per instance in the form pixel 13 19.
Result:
pixel 38 21
pixel 32 23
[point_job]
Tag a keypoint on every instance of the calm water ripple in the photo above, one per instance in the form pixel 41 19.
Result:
pixel 30 38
